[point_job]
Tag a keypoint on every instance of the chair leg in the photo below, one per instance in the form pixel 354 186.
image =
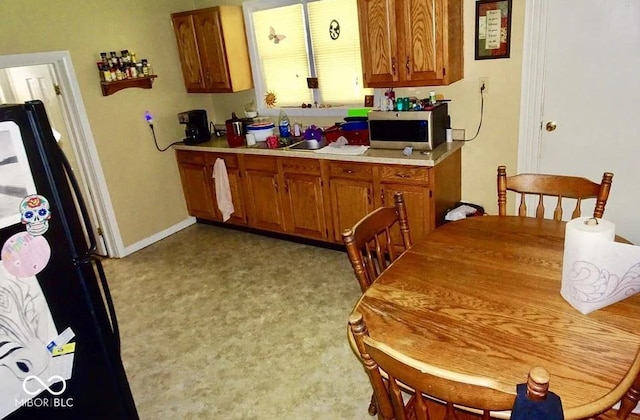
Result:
pixel 373 409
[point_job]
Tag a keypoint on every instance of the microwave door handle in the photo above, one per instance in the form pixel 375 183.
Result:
pixel 78 195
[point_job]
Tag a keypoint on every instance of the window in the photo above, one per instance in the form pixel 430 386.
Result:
pixel 293 40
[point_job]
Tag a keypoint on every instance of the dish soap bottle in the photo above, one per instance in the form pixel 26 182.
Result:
pixel 284 124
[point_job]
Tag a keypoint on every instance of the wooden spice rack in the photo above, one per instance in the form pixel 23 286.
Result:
pixel 109 88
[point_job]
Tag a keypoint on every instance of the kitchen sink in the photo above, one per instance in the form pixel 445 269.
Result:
pixel 309 145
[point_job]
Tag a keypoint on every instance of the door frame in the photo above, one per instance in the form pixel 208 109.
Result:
pixel 536 19
pixel 81 138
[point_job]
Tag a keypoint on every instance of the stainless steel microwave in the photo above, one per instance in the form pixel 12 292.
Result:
pixel 422 130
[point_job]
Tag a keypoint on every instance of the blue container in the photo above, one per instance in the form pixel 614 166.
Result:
pixel 354 125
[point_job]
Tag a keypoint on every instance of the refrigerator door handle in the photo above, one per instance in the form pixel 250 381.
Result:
pixel 84 213
pixel 107 297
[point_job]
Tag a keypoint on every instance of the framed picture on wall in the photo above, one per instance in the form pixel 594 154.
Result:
pixel 493 29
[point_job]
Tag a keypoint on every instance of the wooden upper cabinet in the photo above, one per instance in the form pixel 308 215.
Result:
pixel 188 49
pixel 213 49
pixel 377 20
pixel 411 42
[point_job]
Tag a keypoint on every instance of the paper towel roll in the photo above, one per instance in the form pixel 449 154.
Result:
pixel 596 271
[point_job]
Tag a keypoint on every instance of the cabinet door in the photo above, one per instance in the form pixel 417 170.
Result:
pixel 239 215
pixel 417 201
pixel 210 41
pixel 188 51
pixel 195 184
pixel 263 199
pixel 421 40
pixel 377 21
pixel 351 201
pixel 305 206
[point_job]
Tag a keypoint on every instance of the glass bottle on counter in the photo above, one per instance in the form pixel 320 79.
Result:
pixel 283 124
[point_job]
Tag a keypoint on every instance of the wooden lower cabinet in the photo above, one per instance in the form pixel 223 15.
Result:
pixel 414 182
pixel 351 201
pixel 239 215
pixel 303 197
pixel 351 186
pixel 262 190
pixel 195 184
pixel 418 204
pixel 317 198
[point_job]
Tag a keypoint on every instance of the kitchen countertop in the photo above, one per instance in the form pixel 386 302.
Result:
pixel 388 156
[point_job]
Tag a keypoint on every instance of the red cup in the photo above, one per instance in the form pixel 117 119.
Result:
pixel 272 142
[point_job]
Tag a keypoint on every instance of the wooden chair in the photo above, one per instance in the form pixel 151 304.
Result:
pixel 430 392
pixel 370 244
pixel 370 247
pixel 559 186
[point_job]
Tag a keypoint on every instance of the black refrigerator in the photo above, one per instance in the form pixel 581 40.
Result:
pixel 59 338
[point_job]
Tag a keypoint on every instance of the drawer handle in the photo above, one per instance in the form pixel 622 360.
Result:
pixel 349 171
pixel 399 175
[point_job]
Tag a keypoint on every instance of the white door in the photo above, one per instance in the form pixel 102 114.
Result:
pixel 591 91
pixel 21 84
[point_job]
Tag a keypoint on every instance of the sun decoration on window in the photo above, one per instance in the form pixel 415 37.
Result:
pixel 270 99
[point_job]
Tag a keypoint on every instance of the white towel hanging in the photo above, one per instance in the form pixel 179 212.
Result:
pixel 223 190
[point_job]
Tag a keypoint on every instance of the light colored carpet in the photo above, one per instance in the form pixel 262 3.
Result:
pixel 221 324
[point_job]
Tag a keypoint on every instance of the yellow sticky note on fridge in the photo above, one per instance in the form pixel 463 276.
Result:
pixel 67 348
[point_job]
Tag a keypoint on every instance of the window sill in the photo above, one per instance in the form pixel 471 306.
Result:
pixel 308 112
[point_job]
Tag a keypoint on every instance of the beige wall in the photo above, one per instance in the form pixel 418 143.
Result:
pixel 497 142
pixel 143 183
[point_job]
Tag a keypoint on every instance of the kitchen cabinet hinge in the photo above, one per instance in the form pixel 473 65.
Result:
pixel 444 71
pixel 430 193
pixel 57 89
pixel 99 230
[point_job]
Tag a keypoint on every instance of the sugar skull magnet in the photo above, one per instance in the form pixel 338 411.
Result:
pixel 35 213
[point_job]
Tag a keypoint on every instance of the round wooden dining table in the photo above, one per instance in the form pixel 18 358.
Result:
pixel 481 296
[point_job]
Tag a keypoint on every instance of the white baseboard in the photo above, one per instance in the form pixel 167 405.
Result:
pixel 158 236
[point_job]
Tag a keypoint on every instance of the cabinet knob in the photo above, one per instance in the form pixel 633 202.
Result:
pixel 407 65
pixel 348 171
pixel 393 65
pixel 399 175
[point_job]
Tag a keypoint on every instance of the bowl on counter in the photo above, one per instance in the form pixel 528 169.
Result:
pixel 261 130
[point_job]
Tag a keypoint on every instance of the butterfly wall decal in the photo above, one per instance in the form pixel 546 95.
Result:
pixel 273 37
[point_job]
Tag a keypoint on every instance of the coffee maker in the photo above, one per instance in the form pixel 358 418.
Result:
pixel 197 129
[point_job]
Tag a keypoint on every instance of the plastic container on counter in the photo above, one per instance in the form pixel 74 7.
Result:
pixel 261 130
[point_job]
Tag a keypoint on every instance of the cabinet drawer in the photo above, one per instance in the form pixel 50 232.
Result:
pixel 261 163
pixel 188 156
pixel 301 166
pixel 350 170
pixel 404 173
pixel 230 161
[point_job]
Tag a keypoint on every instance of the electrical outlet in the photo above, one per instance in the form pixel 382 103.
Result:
pixel 484 81
pixel 458 133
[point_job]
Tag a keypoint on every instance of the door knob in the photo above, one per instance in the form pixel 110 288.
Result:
pixel 551 125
